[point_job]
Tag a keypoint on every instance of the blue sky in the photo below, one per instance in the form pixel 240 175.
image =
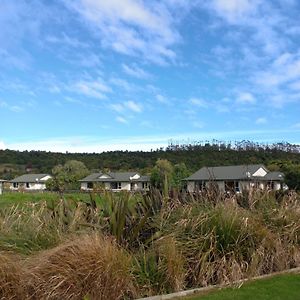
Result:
pixel 96 75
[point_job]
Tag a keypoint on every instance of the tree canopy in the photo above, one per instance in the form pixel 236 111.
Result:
pixel 66 176
pixel 280 156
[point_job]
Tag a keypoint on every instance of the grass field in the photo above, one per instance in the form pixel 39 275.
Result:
pixel 14 198
pixel 279 287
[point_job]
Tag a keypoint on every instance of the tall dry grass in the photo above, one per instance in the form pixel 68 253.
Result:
pixel 89 266
pixel 11 274
pixel 223 241
pixel 143 245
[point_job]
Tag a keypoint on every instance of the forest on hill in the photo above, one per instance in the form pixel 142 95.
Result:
pixel 279 156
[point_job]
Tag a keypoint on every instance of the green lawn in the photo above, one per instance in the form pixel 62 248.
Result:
pixel 13 198
pixel 280 287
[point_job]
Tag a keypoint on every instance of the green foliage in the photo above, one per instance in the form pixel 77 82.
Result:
pixel 292 176
pixel 67 176
pixel 180 172
pixel 194 156
pixel 126 216
pixel 162 175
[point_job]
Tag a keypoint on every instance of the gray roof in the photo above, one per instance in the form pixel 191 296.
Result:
pixel 30 178
pixel 115 177
pixel 241 172
pixel 274 176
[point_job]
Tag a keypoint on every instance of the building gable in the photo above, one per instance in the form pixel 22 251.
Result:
pixel 260 172
pixel 136 176
pixel 45 178
pixel 104 176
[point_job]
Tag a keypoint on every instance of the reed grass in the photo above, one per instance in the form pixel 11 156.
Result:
pixel 146 243
pixel 11 273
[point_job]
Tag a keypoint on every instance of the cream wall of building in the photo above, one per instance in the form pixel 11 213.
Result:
pixel 243 185
pixel 32 186
pixel 124 186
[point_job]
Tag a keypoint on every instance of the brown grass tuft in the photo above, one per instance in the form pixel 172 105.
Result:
pixel 89 266
pixel 10 277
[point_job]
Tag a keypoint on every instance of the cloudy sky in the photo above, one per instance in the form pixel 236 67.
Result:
pixel 94 75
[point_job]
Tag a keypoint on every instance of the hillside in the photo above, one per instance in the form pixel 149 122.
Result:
pixel 275 156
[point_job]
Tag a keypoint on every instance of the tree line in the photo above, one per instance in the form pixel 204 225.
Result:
pixel 185 158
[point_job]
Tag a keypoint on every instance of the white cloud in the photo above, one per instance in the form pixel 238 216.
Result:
pixel 162 99
pixel 147 124
pixel 73 100
pixel 198 124
pixel 131 26
pixel 14 108
pixel 65 39
pixel 260 121
pixel 117 107
pixel 2 145
pixel 122 83
pixel 92 88
pixel 261 21
pixel 54 89
pixel 121 120
pixel 87 60
pixel 279 81
pixel 246 98
pixel 295 85
pixel 128 105
pixel 135 107
pixel 234 10
pixel 222 108
pixel 11 59
pixel 198 102
pixel 135 71
pixel 145 143
pixel 285 68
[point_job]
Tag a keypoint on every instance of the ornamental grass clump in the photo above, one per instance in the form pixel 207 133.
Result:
pixel 11 273
pixel 159 269
pixel 89 266
pixel 124 245
pixel 283 219
pixel 219 243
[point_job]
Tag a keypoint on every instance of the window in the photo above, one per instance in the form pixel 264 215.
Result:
pixel 90 185
pixel 27 185
pixel 145 185
pixel 15 185
pixel 116 185
pixel 200 185
pixel 229 186
pixel 237 187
